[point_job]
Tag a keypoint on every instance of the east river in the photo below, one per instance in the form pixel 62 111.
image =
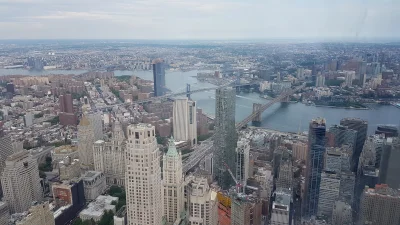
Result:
pixel 287 117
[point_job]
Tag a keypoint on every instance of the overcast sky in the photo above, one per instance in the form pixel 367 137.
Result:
pixel 199 19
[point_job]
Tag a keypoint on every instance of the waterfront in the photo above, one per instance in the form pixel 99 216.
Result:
pixel 287 117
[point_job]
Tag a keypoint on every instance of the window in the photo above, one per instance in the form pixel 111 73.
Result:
pixel 137 135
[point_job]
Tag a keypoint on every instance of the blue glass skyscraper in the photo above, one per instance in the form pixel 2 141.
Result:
pixel 315 165
pixel 159 77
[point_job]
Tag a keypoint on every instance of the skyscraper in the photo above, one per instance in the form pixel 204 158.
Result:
pixel 20 181
pixel 328 193
pixel 343 136
pixel 320 82
pixel 109 157
pixel 67 116
pixel 361 126
pixel 143 176
pixel 159 77
pixel 390 166
pixel 185 120
pixel 242 160
pixel 172 184
pixel 225 138
pixel 85 144
pixel 380 206
pixel 315 163
pixel 285 175
pixel 96 122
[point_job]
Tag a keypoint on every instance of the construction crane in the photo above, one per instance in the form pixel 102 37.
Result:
pixel 239 184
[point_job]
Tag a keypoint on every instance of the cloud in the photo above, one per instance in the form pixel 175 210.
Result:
pixel 193 19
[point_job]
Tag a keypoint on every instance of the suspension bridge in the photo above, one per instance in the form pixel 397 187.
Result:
pixel 206 147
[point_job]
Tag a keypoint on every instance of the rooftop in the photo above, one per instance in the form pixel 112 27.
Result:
pixel 65 149
pixel 102 203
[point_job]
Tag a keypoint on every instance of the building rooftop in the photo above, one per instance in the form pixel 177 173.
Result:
pixel 102 203
pixel 65 149
pixel 90 175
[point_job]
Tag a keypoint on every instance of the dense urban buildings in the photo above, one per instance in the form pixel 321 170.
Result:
pixel 225 137
pixel 67 115
pixel 143 176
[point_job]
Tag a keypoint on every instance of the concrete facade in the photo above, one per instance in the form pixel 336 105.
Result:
pixel 94 184
pixel 20 181
pixel 185 120
pixel 143 176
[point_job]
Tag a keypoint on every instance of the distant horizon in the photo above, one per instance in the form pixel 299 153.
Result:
pixel 354 20
pixel 242 40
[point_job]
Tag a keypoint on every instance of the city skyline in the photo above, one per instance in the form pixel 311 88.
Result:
pixel 225 19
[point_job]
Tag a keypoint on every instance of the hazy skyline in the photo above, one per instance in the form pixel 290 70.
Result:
pixel 193 19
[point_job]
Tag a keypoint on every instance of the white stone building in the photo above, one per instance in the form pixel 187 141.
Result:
pixel 20 181
pixel 281 209
pixel 203 203
pixel 184 120
pixel 172 184
pixel 109 157
pixel 143 176
pixel 94 184
pixel 242 160
pixel 96 209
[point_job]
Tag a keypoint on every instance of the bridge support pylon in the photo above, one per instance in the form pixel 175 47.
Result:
pixel 188 91
pixel 257 118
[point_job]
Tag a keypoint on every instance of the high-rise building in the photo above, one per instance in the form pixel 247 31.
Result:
pixel 347 185
pixel 96 122
pixel 38 214
pixel 285 175
pixel 246 210
pixel 315 164
pixel 185 120
pixel 342 214
pixel 172 184
pixel 343 135
pixel 363 79
pixel 20 181
pixel 329 193
pixel 67 116
pixel 349 77
pixel 281 210
pixel 338 159
pixel 94 184
pixel 320 82
pixel 389 165
pixel 28 119
pixel 65 102
pixel 159 77
pixel 380 206
pixel 372 151
pixel 85 144
pixel 300 151
pixel 10 88
pixel 109 157
pixel 202 202
pixel 225 137
pixel 4 213
pixel 6 149
pixel 387 130
pixel 366 176
pixel 143 176
pixel 242 160
pixel 361 126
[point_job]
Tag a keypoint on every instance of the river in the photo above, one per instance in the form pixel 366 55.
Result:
pixel 288 117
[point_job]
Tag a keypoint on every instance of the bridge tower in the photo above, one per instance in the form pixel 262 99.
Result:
pixel 188 91
pixel 257 118
pixel 237 84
